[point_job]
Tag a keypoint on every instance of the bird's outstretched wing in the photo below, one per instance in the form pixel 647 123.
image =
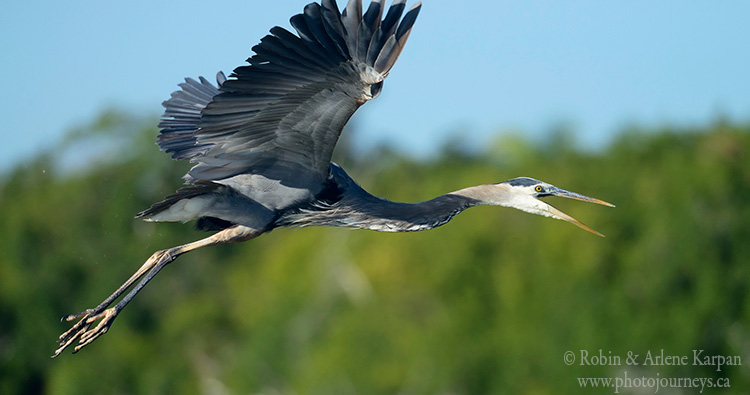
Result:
pixel 281 115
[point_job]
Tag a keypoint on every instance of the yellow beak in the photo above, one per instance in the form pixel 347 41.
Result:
pixel 572 195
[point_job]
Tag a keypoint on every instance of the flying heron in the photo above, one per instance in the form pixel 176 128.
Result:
pixel 263 138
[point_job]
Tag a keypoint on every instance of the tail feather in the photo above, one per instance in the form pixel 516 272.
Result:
pixel 200 188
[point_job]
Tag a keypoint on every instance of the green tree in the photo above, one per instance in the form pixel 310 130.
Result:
pixel 487 304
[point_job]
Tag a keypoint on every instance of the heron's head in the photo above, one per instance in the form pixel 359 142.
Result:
pixel 524 193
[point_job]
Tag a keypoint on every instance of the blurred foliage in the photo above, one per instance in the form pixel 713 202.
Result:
pixel 487 304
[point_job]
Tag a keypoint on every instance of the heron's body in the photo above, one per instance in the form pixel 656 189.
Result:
pixel 340 202
pixel 262 142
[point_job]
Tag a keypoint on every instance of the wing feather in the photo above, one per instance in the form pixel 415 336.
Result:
pixel 386 30
pixel 281 115
pixel 305 32
pixel 334 27
pixel 389 54
pixel 368 25
pixel 289 40
pixel 351 18
pixel 314 18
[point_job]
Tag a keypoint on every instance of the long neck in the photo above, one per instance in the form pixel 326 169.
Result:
pixel 356 208
pixel 383 215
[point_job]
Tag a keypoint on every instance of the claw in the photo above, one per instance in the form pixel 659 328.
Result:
pixel 80 331
pixel 71 317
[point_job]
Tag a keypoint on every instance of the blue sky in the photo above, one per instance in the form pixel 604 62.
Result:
pixel 479 67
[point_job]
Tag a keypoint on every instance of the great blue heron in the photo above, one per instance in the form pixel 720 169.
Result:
pixel 263 139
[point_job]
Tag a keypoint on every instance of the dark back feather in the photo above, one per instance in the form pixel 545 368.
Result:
pixel 344 203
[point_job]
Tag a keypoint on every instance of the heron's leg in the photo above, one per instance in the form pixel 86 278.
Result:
pixel 148 265
pixel 80 331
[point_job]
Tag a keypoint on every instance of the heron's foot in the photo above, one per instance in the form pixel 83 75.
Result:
pixel 81 332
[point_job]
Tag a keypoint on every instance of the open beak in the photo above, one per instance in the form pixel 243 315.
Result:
pixel 572 195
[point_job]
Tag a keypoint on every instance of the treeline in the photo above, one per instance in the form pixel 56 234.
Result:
pixel 489 303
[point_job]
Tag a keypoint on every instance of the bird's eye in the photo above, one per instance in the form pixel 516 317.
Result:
pixel 538 188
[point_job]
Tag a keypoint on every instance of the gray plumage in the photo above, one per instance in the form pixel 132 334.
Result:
pixel 262 141
pixel 280 116
pixel 348 205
